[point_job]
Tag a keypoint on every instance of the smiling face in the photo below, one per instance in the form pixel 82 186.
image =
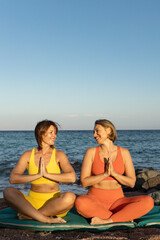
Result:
pixel 43 129
pixel 101 133
pixel 107 126
pixel 49 136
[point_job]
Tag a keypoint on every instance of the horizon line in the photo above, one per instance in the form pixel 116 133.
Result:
pixel 28 130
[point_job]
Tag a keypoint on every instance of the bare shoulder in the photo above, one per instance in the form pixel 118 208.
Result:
pixel 126 155
pixel 91 150
pixel 90 153
pixel 24 159
pixel 124 151
pixel 26 155
pixel 60 155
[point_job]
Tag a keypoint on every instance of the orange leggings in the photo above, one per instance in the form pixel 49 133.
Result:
pixel 112 204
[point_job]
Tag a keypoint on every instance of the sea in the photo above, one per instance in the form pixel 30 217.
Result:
pixel 144 147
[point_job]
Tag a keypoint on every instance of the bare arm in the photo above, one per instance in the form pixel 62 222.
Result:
pixel 86 178
pixel 129 178
pixel 68 175
pixel 17 175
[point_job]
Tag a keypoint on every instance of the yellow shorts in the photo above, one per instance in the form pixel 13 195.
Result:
pixel 37 200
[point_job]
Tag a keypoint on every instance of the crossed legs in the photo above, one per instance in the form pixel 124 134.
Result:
pixel 52 207
pixel 107 206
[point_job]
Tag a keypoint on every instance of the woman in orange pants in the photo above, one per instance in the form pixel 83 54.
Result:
pixel 105 169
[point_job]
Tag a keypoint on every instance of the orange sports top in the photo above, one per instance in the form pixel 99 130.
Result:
pixel 52 167
pixel 98 166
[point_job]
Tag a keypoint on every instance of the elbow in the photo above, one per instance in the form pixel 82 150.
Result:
pixel 132 183
pixel 85 182
pixel 73 178
pixel 84 185
pixel 12 180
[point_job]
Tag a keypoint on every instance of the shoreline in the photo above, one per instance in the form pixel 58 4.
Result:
pixel 124 234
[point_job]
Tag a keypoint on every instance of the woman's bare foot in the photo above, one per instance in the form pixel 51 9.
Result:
pixel 55 220
pixel 22 217
pixel 46 219
pixel 99 221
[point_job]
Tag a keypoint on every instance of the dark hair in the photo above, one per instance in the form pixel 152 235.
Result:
pixel 107 124
pixel 41 128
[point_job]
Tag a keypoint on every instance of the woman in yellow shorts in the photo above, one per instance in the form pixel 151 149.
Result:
pixel 44 203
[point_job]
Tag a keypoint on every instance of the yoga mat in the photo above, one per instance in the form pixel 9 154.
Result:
pixel 8 219
pixel 151 219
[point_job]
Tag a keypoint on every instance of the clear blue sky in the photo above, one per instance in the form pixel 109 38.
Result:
pixel 75 61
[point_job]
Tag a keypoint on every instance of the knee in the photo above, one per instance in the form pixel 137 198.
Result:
pixel 8 191
pixel 80 204
pixel 149 202
pixel 77 203
pixel 69 197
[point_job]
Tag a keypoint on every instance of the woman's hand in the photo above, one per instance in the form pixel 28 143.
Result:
pixel 111 168
pixel 67 175
pixel 17 175
pixel 87 179
pixel 107 166
pixel 42 169
pixel 129 178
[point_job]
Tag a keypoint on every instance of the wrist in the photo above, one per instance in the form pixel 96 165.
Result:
pixel 46 175
pixel 113 174
pixel 40 175
pixel 105 174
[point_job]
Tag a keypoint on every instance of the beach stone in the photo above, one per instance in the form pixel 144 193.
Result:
pixel 152 183
pixel 147 178
pixel 156 197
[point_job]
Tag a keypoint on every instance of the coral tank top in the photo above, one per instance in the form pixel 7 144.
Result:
pixel 98 166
